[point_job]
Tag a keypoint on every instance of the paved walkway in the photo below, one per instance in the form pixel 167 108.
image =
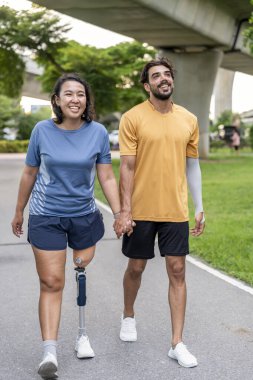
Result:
pixel 219 320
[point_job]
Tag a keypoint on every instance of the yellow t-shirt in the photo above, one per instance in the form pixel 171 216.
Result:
pixel 161 143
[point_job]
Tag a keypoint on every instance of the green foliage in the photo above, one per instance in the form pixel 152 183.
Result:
pixel 9 112
pixel 12 116
pixel 13 146
pixel 248 33
pixel 227 242
pixel 37 32
pixel 251 137
pixel 26 122
pixel 11 74
pixel 112 73
pixel 227 117
pixel 217 144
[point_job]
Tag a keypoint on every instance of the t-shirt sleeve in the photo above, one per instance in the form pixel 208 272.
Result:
pixel 104 157
pixel 127 137
pixel 192 146
pixel 33 152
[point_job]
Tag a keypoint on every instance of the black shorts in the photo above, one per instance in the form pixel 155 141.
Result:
pixel 173 239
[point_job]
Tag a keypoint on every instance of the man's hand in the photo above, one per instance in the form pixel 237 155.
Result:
pixel 124 224
pixel 199 225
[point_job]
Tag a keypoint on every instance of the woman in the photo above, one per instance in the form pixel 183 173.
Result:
pixel 63 156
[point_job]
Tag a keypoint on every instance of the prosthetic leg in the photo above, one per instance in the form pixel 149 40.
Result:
pixel 83 347
pixel 81 298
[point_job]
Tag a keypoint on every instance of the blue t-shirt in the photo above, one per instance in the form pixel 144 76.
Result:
pixel 67 167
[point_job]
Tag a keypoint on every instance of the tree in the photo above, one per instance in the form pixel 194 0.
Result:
pixel 26 122
pixel 251 137
pixel 227 117
pixel 9 111
pixel 248 33
pixel 113 72
pixel 37 33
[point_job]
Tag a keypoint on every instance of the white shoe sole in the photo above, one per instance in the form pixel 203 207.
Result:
pixel 84 356
pixel 48 370
pixel 127 339
pixel 190 365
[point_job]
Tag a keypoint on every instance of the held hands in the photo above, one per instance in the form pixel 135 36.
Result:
pixel 199 225
pixel 17 224
pixel 123 224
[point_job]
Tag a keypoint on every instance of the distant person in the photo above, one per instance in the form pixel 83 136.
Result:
pixel 159 148
pixel 235 139
pixel 63 157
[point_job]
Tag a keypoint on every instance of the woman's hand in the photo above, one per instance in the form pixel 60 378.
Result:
pixel 17 224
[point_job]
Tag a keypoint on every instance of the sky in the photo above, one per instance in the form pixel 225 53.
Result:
pixel 84 33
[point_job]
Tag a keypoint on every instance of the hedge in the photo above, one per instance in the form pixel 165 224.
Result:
pixel 15 146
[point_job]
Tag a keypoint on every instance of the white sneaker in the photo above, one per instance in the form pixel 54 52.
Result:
pixel 128 331
pixel 83 348
pixel 48 367
pixel 183 356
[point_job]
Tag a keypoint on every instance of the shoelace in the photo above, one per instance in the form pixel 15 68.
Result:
pixel 130 325
pixel 183 350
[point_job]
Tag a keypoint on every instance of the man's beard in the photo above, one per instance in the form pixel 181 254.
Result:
pixel 159 95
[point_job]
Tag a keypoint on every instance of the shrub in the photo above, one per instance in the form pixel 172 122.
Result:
pixel 17 146
pixel 251 137
pixel 217 144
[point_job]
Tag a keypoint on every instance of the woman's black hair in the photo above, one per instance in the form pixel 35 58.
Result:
pixel 163 61
pixel 89 112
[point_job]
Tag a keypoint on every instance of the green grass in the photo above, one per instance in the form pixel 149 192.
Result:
pixel 227 243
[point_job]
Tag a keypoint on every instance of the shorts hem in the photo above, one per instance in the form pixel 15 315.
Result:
pixel 94 242
pixel 138 257
pixel 46 249
pixel 174 254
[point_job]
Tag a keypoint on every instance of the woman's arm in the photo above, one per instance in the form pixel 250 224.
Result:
pixel 109 186
pixel 27 181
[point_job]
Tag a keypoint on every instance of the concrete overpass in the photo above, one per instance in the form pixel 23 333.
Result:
pixel 31 87
pixel 199 36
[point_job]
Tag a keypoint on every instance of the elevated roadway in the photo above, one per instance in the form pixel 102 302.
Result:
pixel 199 36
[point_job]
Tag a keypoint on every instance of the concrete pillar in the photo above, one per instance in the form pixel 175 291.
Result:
pixel 32 87
pixel 194 83
pixel 223 91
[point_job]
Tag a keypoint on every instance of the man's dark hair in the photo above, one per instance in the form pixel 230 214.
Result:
pixel 89 112
pixel 156 62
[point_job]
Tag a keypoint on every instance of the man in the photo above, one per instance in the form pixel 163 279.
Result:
pixel 159 148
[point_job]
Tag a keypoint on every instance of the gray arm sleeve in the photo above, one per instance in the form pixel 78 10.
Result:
pixel 194 182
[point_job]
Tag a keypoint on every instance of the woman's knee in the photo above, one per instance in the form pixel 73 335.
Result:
pixel 82 262
pixel 52 283
pixel 84 257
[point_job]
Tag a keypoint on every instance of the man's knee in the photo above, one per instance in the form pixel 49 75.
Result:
pixel 135 270
pixel 177 270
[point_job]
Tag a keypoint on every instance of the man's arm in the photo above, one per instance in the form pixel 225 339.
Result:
pixel 126 184
pixel 194 182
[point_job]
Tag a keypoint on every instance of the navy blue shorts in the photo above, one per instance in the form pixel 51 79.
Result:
pixel 53 233
pixel 173 239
